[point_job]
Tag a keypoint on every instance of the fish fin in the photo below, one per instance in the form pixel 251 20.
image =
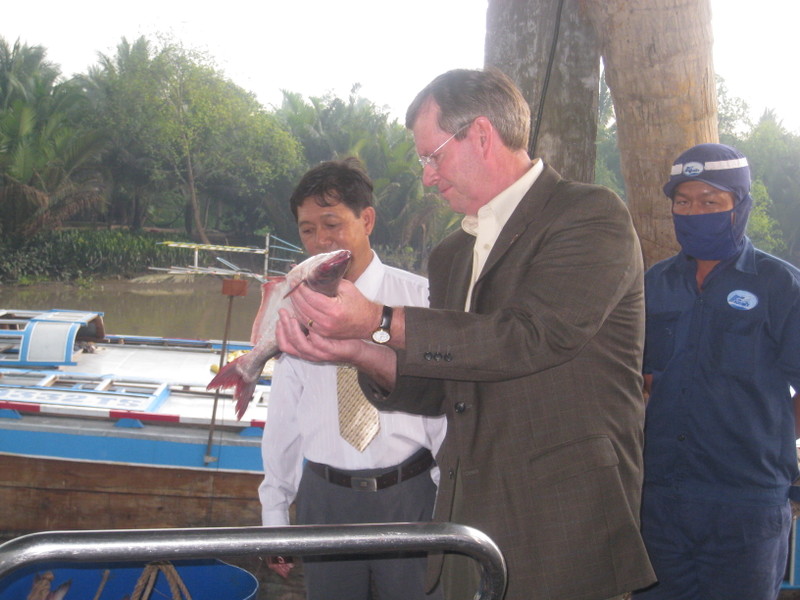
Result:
pixel 267 289
pixel 228 377
pixel 244 390
pixel 243 395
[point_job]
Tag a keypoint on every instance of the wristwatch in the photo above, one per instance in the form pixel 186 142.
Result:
pixel 381 335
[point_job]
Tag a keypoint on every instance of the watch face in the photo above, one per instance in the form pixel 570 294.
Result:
pixel 380 336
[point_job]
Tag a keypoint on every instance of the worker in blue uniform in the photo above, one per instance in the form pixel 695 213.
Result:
pixel 722 358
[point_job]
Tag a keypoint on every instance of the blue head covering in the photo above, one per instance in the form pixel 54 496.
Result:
pixel 714 236
pixel 719 165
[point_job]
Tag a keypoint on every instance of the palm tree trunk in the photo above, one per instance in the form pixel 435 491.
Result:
pixel 659 69
pixel 519 37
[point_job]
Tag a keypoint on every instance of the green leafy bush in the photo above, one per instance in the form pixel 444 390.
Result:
pixel 74 254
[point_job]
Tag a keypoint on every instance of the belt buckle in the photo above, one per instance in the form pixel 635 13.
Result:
pixel 364 484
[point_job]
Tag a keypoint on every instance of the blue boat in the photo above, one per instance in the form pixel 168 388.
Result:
pixel 103 431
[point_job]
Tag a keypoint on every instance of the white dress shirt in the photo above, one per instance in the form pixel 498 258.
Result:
pixel 491 219
pixel 303 422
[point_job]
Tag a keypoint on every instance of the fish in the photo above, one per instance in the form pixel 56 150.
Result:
pixel 322 273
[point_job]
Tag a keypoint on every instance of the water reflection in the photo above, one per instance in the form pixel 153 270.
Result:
pixel 172 307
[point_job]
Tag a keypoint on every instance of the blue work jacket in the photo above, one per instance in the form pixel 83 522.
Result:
pixel 720 419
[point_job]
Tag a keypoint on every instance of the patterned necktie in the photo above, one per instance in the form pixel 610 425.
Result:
pixel 358 419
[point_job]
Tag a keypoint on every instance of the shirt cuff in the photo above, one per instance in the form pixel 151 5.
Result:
pixel 274 518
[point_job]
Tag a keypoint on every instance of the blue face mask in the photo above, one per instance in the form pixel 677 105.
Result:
pixel 713 236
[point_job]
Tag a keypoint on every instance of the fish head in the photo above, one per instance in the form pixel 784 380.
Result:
pixel 326 270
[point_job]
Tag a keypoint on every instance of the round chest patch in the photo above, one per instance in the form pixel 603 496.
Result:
pixel 742 300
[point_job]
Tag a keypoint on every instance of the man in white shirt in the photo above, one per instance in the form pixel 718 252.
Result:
pixel 306 459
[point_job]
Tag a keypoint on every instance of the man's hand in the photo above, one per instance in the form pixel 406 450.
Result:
pixel 378 362
pixel 348 315
pixel 648 385
pixel 280 565
pixel 296 338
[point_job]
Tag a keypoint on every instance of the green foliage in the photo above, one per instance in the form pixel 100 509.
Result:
pixel 23 70
pixel 403 258
pixel 196 114
pixel 762 228
pixel 68 255
pixel 46 163
pixel 774 157
pixel 408 215
pixel 733 115
pixel 156 135
pixel 122 93
pixel 188 146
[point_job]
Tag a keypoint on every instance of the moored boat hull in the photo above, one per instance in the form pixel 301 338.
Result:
pixel 47 494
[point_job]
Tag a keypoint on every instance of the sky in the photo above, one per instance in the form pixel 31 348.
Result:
pixel 392 49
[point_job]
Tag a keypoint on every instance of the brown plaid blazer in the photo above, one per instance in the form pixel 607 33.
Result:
pixel 541 384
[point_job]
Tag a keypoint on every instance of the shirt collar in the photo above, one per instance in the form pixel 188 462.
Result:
pixel 370 280
pixel 500 208
pixel 744 261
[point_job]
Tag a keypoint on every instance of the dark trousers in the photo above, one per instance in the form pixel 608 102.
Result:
pixel 702 550
pixel 351 577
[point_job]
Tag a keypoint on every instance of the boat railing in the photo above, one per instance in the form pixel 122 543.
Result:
pixel 279 256
pixel 220 542
pixel 44 338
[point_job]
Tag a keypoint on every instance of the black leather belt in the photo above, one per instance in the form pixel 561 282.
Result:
pixel 417 464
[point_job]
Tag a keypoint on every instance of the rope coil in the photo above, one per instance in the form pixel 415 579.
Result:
pixel 147 581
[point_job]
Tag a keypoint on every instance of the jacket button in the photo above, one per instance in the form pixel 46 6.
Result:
pixel 428 356
pixel 448 357
pixel 460 407
pixel 437 357
pixel 451 473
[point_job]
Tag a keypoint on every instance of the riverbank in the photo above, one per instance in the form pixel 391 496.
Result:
pixel 158 305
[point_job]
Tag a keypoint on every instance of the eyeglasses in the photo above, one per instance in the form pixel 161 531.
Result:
pixel 431 160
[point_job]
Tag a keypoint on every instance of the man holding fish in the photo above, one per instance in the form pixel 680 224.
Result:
pixel 389 478
pixel 532 347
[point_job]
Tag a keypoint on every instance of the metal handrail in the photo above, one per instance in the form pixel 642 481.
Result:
pixel 219 542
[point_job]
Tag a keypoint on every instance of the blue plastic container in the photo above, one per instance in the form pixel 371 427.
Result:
pixel 205 580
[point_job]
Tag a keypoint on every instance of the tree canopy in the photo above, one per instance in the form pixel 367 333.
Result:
pixel 185 144
pixel 165 140
pixel 156 137
pixel 48 168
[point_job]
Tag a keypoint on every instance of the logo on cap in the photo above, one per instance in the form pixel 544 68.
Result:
pixel 692 169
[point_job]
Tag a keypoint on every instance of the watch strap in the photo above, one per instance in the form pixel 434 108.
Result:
pixel 386 318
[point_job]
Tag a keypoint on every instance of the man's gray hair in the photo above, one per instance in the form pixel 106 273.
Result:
pixel 464 95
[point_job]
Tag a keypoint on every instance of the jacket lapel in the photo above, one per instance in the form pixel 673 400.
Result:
pixel 522 218
pixel 460 274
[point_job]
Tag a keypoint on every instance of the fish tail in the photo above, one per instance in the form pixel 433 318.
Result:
pixel 230 376
pixel 243 395
pixel 227 377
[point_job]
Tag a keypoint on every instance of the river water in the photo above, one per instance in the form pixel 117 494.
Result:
pixel 180 306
